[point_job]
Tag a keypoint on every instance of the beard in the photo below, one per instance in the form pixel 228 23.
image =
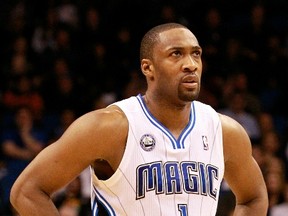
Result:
pixel 188 96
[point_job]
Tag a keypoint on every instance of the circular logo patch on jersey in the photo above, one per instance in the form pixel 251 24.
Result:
pixel 147 142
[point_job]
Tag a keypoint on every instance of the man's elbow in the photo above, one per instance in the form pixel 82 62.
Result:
pixel 15 195
pixel 21 194
pixel 264 201
pixel 258 204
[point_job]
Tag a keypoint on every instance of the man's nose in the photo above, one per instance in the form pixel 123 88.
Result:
pixel 190 64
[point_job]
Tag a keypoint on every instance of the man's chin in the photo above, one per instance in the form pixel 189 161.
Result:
pixel 189 97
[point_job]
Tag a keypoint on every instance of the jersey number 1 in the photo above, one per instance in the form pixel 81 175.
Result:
pixel 183 209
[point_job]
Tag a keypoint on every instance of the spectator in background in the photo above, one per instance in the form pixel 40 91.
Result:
pixel 236 109
pixel 136 85
pixel 266 122
pixel 67 94
pixel 233 55
pixel 122 42
pixel 94 59
pixel 64 46
pixel 92 27
pixel 103 100
pixel 254 35
pixel 17 62
pixel 259 155
pixel 22 93
pixel 61 89
pixel 275 181
pixel 238 81
pixel 43 35
pixel 275 76
pixel 67 12
pixel 70 201
pixel 96 69
pixel 257 30
pixel 276 61
pixel 17 24
pixel 212 39
pixel 272 145
pixel 20 143
pixel 169 13
pixel 66 117
pixel 43 40
pixel 281 209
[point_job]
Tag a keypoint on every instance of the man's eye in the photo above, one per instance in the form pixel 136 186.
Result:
pixel 197 53
pixel 176 53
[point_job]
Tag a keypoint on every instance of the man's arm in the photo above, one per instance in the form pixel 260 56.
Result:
pixel 242 173
pixel 87 139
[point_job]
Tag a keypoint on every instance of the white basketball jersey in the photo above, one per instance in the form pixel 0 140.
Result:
pixel 161 175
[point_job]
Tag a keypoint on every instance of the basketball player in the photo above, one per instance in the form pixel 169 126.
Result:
pixel 162 153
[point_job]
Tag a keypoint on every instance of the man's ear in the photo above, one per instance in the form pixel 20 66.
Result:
pixel 147 68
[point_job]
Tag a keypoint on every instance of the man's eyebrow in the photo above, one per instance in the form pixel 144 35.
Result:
pixel 181 47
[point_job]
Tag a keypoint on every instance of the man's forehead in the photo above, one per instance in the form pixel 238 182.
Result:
pixel 178 35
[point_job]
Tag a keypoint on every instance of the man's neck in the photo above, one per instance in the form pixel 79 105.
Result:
pixel 173 117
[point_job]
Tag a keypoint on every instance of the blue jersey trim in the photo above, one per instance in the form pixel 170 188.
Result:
pixel 189 127
pixel 101 200
pixel 179 143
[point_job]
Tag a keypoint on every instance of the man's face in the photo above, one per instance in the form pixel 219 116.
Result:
pixel 177 66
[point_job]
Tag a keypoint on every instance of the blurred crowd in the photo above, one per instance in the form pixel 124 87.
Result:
pixel 62 58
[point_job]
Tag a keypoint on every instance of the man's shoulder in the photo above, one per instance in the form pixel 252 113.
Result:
pixel 127 101
pixel 202 104
pixel 104 118
pixel 203 107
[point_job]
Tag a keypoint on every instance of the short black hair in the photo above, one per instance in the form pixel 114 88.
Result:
pixel 152 37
